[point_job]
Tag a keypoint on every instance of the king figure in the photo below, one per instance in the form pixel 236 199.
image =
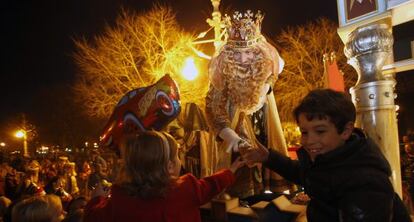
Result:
pixel 240 104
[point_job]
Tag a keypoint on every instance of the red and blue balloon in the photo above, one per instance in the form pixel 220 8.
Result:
pixel 147 108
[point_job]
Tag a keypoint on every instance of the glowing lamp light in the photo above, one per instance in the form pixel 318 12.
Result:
pixel 20 134
pixel 2 144
pixel 190 71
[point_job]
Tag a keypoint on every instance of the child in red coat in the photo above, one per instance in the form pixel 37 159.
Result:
pixel 150 189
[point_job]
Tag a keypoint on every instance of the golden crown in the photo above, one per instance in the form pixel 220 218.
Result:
pixel 243 29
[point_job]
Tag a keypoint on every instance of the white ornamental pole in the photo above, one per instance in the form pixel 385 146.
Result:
pixel 367 49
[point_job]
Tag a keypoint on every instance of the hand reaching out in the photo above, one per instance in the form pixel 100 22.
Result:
pixel 231 139
pixel 257 154
pixel 236 164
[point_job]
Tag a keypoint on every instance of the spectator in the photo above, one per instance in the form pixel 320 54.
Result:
pixel 46 208
pixel 408 146
pixel 83 178
pixel 76 216
pixel 4 205
pixel 12 181
pixel 30 186
pixel 75 210
pixel 99 163
pixel 343 172
pixel 70 178
pixel 57 187
pixel 4 169
pixel 76 204
pixel 63 160
pixel 150 189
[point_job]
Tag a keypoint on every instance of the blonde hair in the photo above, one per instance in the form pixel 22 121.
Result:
pixel 146 157
pixel 46 208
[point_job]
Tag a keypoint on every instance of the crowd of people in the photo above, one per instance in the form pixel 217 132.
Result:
pixel 74 188
pixel 52 186
pixel 407 168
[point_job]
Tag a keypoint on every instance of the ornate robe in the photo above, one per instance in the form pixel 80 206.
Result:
pixel 238 90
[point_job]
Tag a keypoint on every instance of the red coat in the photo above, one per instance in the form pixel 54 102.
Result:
pixel 181 204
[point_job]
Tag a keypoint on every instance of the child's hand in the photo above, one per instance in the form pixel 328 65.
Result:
pixel 236 165
pixel 256 155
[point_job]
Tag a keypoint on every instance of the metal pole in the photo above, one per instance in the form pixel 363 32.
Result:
pixel 25 149
pixel 25 131
pixel 368 49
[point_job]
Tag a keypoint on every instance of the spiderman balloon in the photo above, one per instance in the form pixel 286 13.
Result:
pixel 141 109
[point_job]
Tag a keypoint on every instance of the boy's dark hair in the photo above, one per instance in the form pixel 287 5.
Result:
pixel 322 103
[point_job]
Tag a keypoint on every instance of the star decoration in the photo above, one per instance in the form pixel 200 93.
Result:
pixel 360 2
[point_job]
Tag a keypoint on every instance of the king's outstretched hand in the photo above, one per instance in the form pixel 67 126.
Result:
pixel 231 139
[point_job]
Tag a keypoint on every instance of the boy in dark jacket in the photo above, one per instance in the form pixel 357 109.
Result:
pixel 343 172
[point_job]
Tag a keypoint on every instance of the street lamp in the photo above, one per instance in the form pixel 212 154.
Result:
pixel 23 134
pixel 190 71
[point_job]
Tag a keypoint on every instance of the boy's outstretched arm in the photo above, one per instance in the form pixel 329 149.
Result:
pixel 283 165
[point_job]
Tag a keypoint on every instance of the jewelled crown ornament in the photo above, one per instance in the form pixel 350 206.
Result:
pixel 243 29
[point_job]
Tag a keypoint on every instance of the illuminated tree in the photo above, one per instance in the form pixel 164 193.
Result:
pixel 302 48
pixel 134 53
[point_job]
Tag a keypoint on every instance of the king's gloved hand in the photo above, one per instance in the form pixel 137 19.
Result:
pixel 231 139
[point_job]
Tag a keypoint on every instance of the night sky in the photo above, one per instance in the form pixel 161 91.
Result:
pixel 37 40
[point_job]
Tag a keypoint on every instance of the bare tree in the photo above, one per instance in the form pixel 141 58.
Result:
pixel 302 48
pixel 136 52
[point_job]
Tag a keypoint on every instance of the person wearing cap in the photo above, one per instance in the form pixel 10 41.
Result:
pixel 71 185
pixel 63 160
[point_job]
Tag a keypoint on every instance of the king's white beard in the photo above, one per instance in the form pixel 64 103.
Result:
pixel 246 85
